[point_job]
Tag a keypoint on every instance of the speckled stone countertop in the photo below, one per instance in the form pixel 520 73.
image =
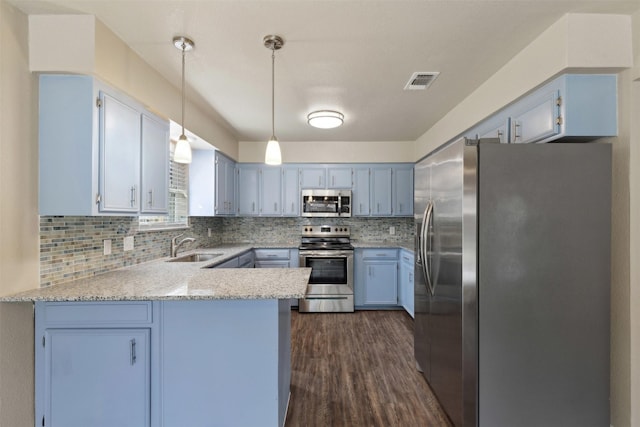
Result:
pixel 162 280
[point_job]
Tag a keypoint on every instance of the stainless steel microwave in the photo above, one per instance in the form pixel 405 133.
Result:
pixel 326 203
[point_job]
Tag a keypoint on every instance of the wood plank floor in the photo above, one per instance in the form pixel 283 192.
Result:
pixel 357 369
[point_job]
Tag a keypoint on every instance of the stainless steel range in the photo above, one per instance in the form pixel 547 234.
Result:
pixel 328 251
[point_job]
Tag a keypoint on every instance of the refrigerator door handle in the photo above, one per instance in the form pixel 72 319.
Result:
pixel 423 246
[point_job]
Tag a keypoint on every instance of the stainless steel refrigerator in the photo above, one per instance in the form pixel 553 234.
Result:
pixel 512 282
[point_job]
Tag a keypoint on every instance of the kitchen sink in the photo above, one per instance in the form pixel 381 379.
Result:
pixel 195 258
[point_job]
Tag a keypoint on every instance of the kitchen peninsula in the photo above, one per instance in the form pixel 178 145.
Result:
pixel 165 343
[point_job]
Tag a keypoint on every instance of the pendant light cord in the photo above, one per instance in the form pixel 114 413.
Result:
pixel 184 46
pixel 273 92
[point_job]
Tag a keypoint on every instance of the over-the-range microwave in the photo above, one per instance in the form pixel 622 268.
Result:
pixel 326 203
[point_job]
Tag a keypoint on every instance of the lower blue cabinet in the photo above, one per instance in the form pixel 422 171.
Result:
pixel 97 377
pixel 376 277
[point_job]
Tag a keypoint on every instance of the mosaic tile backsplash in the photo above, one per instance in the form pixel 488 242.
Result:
pixel 72 247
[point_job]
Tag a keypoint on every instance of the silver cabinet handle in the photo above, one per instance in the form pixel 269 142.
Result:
pixel 292 207
pixel 132 351
pixel 133 196
pixel 275 207
pixel 253 206
pixel 516 126
pixel 333 181
pixel 319 181
pixel 360 207
pixel 151 198
pixel 378 207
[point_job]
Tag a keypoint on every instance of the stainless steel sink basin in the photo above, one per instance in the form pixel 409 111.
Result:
pixel 195 258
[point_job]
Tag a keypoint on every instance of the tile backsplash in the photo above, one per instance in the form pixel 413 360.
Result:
pixel 72 247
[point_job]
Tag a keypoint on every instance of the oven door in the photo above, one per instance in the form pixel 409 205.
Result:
pixel 329 267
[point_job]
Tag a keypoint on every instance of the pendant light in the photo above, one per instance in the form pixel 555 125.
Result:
pixel 272 155
pixel 182 152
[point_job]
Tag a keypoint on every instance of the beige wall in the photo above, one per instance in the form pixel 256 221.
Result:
pixel 331 152
pixel 634 253
pixel 19 252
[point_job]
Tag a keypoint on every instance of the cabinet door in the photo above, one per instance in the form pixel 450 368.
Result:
pixel 499 129
pixel 290 192
pixel 403 192
pixel 119 156
pixel 271 191
pixel 155 165
pixel 202 200
pixel 312 178
pixel 248 188
pixel 340 178
pixel 381 282
pixel 381 191
pixel 224 185
pixel 97 377
pixel 361 193
pixel 537 120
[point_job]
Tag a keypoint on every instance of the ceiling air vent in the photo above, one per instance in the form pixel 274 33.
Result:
pixel 421 80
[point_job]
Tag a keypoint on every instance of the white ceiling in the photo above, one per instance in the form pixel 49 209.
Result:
pixel 351 56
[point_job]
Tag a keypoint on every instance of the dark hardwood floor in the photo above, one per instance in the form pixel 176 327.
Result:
pixel 357 369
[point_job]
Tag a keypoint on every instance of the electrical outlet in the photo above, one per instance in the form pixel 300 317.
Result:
pixel 208 232
pixel 107 247
pixel 392 230
pixel 128 243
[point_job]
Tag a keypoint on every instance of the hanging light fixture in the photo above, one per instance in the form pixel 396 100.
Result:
pixel 325 119
pixel 272 155
pixel 182 152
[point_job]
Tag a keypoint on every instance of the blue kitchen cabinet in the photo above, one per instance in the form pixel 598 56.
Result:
pixel 211 184
pixel 270 191
pixel 376 278
pixel 405 281
pixel 361 192
pixel 313 177
pixel 274 258
pixel 162 363
pixel 225 190
pixel 96 168
pixel 120 156
pixel 248 190
pixel 155 165
pixel 290 191
pixel 381 189
pixel 494 127
pixel 93 364
pixel 340 177
pixel 576 107
pixel 259 190
pixel 402 194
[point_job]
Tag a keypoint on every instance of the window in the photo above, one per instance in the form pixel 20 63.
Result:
pixel 178 216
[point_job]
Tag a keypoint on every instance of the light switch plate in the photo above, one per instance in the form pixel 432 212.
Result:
pixel 107 247
pixel 128 243
pixel 392 230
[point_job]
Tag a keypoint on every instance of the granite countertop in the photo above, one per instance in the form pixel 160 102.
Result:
pixel 162 280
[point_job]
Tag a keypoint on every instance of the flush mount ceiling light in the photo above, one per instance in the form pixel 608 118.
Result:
pixel 325 119
pixel 182 153
pixel 272 155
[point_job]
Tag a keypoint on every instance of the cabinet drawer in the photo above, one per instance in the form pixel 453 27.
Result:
pixel 406 256
pixel 97 313
pixel 270 254
pixel 380 253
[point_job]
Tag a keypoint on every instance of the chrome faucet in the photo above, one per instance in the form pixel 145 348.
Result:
pixel 175 245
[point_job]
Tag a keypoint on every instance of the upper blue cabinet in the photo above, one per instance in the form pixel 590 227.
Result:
pixel 101 153
pixel 572 107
